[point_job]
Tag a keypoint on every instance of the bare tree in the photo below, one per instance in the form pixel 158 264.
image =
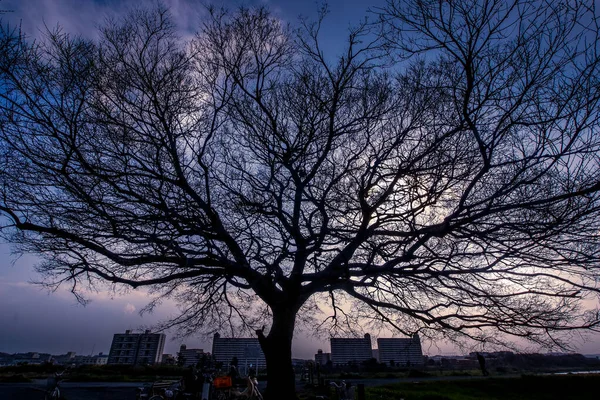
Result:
pixel 440 176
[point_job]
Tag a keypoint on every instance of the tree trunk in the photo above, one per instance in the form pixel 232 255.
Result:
pixel 277 347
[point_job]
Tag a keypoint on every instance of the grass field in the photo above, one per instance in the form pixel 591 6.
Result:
pixel 580 387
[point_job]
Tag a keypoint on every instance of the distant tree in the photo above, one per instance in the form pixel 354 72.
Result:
pixel 371 362
pixel 371 365
pixel 440 176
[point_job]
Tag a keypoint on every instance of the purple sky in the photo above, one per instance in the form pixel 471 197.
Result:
pixel 31 319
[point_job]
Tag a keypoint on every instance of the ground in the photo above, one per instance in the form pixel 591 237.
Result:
pixel 563 387
pixel 527 387
pixel 71 391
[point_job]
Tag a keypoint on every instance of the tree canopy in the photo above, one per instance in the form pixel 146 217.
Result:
pixel 440 176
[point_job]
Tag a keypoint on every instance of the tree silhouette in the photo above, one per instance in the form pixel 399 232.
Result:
pixel 441 176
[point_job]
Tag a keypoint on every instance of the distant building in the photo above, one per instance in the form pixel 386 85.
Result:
pixel 347 350
pixel 247 351
pixel 189 357
pixel 400 351
pixel 100 359
pixel 136 348
pixel 30 358
pixel 64 359
pixel 322 358
pixel 5 359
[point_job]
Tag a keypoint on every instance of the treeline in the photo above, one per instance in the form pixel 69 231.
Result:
pixel 536 361
pixel 96 372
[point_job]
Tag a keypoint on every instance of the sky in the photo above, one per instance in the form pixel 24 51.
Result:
pixel 31 318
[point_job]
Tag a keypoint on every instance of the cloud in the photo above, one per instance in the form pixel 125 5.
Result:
pixel 129 309
pixel 83 17
pixel 56 323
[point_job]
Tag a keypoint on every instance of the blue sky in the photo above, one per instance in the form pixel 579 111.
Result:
pixel 82 16
pixel 31 319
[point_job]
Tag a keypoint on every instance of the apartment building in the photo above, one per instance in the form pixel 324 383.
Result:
pixel 400 351
pixel 189 357
pixel 136 348
pixel 247 351
pixel 349 350
pixel 322 358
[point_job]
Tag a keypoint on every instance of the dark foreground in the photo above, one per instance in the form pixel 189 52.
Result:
pixel 555 387
pixel 71 391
